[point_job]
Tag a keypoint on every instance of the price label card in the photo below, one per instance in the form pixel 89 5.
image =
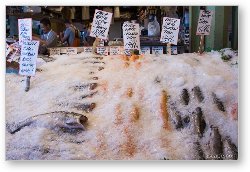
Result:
pixel 170 30
pixel 24 30
pixel 157 50
pixel 145 50
pixel 54 51
pixel 101 24
pixel 29 52
pixel 71 51
pixel 88 49
pixel 204 22
pixel 114 50
pixel 102 50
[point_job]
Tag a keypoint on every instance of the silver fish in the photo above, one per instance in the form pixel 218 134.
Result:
pixel 58 119
pixel 218 102
pixel 87 107
pixel 185 97
pixel 198 93
pixel 198 122
pixel 175 115
pixel 199 152
pixel 230 151
pixel 90 86
pixel 215 144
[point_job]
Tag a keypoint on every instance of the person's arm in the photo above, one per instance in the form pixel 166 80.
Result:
pixel 42 42
pixel 65 36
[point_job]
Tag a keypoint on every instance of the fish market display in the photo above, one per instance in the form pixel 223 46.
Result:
pixel 143 107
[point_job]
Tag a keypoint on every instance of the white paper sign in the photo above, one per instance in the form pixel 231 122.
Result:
pixel 7 50
pixel 71 51
pixel 54 51
pixel 157 50
pixel 63 50
pixel 174 50
pixel 145 50
pixel 131 36
pixel 114 50
pixel 101 23
pixel 29 52
pixel 88 49
pixel 204 22
pixel 103 50
pixel 170 30
pixel 24 30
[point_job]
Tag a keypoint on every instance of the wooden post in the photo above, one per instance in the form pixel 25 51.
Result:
pixel 169 48
pixel 201 45
pixel 27 87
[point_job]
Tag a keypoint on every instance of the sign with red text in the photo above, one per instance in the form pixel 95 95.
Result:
pixel 170 30
pixel 204 22
pixel 101 24
pixel 29 52
pixel 24 30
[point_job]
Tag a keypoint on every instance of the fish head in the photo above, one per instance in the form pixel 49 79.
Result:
pixel 76 122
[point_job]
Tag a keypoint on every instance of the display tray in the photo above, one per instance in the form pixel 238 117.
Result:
pixel 89 107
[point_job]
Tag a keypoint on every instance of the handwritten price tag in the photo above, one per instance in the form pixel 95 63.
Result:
pixel 204 22
pixel 170 30
pixel 24 30
pixel 71 51
pixel 88 49
pixel 157 50
pixel 114 50
pixel 102 50
pixel 145 50
pixel 101 24
pixel 131 37
pixel 54 51
pixel 29 52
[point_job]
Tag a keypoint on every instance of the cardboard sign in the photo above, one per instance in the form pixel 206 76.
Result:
pixel 87 49
pixel 29 52
pixel 102 50
pixel 157 50
pixel 204 22
pixel 114 50
pixel 170 30
pixel 145 50
pixel 71 51
pixel 101 23
pixel 54 51
pixel 24 30
pixel 131 37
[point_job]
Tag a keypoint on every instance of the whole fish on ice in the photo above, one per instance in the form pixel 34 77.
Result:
pixel 68 121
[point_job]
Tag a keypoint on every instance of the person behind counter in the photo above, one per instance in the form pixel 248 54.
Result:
pixel 69 34
pixel 48 38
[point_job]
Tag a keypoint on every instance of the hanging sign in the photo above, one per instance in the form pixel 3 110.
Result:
pixel 170 30
pixel 204 22
pixel 24 30
pixel 29 52
pixel 101 24
pixel 131 37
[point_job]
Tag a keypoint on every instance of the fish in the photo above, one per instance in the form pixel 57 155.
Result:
pixel 87 107
pixel 93 62
pixel 90 86
pixel 89 95
pixel 98 58
pixel 100 68
pixel 157 80
pixel 175 115
pixel 184 97
pixel 198 93
pixel 198 122
pixel 199 152
pixel 91 73
pixel 68 121
pixel 218 102
pixel 230 151
pixel 215 144
pixel 164 110
pixel 95 78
